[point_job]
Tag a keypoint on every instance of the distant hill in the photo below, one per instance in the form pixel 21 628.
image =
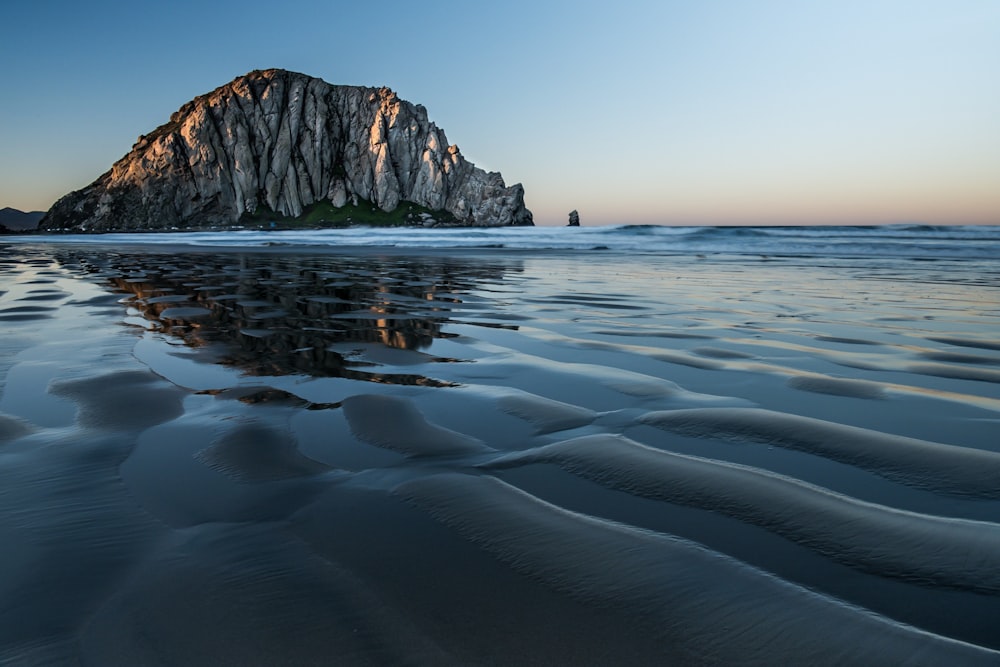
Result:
pixel 19 221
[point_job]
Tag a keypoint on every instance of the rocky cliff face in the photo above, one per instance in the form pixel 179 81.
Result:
pixel 284 141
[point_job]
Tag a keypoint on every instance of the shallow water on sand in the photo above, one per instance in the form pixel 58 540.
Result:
pixel 297 457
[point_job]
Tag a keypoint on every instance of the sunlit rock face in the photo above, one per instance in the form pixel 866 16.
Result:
pixel 283 141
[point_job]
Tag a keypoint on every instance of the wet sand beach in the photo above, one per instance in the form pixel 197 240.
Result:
pixel 372 456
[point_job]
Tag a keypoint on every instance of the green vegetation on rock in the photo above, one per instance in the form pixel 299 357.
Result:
pixel 324 214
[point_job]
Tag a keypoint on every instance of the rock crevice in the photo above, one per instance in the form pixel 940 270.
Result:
pixel 285 141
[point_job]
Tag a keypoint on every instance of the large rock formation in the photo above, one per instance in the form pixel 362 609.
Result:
pixel 277 141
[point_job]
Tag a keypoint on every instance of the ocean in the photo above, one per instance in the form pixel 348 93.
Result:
pixel 906 241
pixel 528 446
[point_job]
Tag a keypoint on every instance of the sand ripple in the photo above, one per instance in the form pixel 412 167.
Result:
pixel 683 591
pixel 253 452
pixel 928 465
pixel 127 399
pixel 924 549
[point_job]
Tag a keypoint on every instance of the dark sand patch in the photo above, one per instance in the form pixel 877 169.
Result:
pixel 72 534
pixel 977 343
pixel 546 415
pixel 680 335
pixel 28 309
pixel 956 372
pixel 26 317
pixel 127 400
pixel 721 353
pixel 687 360
pixel 821 384
pixel 959 358
pixel 253 596
pixel 45 296
pixel 164 476
pixel 846 341
pixel 669 356
pixel 396 424
pixel 12 428
pixel 588 303
pixel 255 452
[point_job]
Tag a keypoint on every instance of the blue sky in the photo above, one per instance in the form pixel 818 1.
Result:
pixel 696 112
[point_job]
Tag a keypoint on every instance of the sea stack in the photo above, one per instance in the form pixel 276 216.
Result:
pixel 277 142
pixel 574 219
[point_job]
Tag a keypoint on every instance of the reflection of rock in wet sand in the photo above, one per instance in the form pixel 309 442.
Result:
pixel 311 316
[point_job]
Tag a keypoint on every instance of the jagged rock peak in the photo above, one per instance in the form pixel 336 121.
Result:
pixel 280 141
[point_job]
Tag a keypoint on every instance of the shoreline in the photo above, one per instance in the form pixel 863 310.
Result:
pixel 834 244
